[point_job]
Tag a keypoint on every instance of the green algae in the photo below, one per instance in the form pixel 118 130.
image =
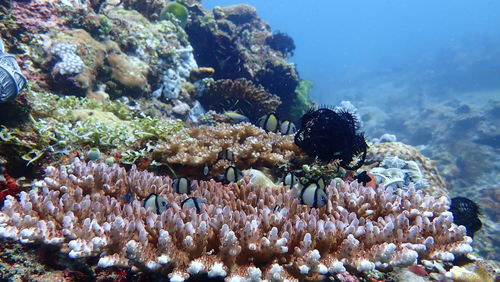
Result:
pixel 179 11
pixel 106 125
pixel 302 101
pixel 65 123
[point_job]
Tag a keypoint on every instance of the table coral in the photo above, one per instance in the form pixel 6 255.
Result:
pixel 237 233
pixel 252 146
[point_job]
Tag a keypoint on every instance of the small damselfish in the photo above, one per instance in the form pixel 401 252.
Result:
pixel 156 203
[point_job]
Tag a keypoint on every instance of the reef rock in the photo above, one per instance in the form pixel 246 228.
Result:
pixel 232 40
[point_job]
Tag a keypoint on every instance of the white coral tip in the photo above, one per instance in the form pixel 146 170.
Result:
pixel 163 259
pixel 304 269
pixel 195 267
pixel 365 265
pixel 254 273
pixel 217 270
pixel 153 265
pixel 337 267
pixel 322 269
pixel 176 278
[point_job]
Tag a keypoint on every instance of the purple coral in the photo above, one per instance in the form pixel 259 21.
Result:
pixel 69 62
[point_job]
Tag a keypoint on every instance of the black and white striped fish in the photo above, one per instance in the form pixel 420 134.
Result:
pixel 232 175
pixel 290 179
pixel 226 155
pixel 183 185
pixel 193 202
pixel 269 122
pixel 313 196
pixel 156 203
pixel 287 128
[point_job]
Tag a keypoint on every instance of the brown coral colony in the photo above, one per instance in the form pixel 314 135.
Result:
pixel 237 233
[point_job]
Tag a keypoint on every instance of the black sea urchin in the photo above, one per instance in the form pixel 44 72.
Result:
pixel 466 213
pixel 330 135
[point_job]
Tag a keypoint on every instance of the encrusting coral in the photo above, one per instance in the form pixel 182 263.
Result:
pixel 237 232
pixel 252 146
pixel 378 152
pixel 473 272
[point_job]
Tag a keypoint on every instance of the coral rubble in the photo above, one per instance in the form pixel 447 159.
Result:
pixel 238 232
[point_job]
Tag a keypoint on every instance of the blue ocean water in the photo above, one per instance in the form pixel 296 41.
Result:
pixel 338 41
pixel 427 72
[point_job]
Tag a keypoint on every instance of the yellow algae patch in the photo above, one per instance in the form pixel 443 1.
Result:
pixel 96 116
pixel 257 177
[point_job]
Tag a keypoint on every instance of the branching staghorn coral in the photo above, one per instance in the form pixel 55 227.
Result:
pixel 239 94
pixel 237 232
pixel 252 146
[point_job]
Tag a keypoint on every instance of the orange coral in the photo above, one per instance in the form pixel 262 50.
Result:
pixel 252 146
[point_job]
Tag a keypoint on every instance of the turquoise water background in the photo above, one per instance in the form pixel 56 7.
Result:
pixel 340 41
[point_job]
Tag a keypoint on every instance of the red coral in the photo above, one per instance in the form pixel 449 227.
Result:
pixel 36 16
pixel 418 270
pixel 8 186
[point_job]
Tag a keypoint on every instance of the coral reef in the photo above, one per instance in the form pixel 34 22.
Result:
pixel 143 84
pixel 237 233
pixel 393 171
pixel 252 146
pixel 61 125
pixel 232 40
pixel 456 132
pixel 239 95
pixel 115 47
pixel 76 58
pixel 282 42
pixel 37 16
pixel 378 152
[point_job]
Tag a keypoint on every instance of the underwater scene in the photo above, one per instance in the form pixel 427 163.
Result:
pixel 190 140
